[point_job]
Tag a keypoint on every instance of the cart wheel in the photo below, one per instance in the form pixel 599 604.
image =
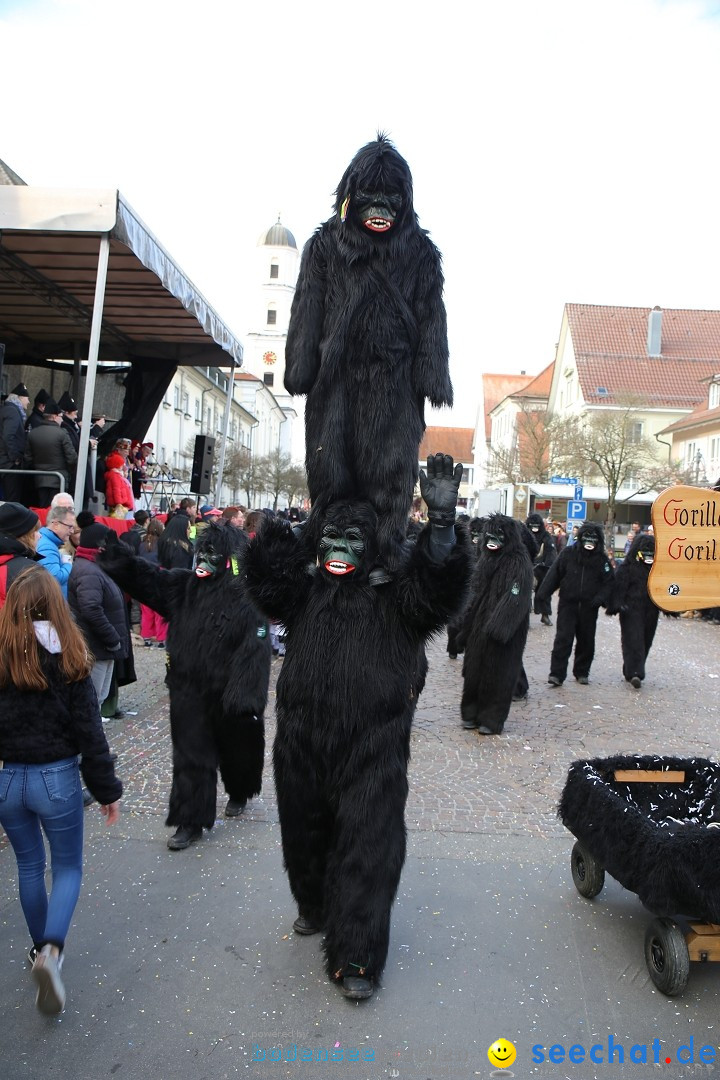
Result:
pixel 587 873
pixel 667 957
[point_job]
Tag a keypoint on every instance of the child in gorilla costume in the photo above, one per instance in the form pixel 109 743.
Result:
pixel 547 553
pixel 218 654
pixel 496 625
pixel 345 702
pixel 367 344
pixel 638 614
pixel 584 577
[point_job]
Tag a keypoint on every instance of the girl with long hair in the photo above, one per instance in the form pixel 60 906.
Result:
pixel 49 715
pixel 175 549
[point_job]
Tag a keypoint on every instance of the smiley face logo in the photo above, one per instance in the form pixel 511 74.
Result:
pixel 501 1054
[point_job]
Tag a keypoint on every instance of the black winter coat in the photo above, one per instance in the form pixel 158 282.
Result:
pixel 99 609
pixel 12 435
pixel 50 447
pixel 39 726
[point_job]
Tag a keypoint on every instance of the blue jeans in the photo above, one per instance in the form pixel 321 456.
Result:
pixel 33 799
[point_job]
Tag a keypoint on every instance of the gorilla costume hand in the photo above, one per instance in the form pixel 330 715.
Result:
pixel 439 488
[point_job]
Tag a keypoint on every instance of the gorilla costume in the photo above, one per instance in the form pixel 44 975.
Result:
pixel 638 614
pixel 584 577
pixel 547 553
pixel 496 625
pixel 367 344
pixel 345 702
pixel 218 654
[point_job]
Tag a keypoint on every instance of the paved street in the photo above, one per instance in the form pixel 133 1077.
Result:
pixel 185 965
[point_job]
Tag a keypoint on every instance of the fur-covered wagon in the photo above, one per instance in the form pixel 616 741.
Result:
pixel 653 823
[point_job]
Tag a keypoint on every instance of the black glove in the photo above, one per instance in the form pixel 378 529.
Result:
pixel 439 488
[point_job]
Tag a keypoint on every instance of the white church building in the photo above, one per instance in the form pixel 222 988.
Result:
pixel 263 417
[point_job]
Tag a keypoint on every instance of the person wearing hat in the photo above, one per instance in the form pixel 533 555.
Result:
pixel 13 440
pixel 118 493
pixel 99 608
pixel 18 541
pixel 38 409
pixel 137 460
pixel 49 447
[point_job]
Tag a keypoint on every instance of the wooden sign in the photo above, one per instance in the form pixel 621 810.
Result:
pixel 686 572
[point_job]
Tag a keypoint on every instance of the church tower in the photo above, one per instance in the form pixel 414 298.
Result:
pixel 277 262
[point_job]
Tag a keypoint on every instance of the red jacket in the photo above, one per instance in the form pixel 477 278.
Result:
pixel 118 490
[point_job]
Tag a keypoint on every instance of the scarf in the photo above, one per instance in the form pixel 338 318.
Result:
pixel 47 635
pixel 86 553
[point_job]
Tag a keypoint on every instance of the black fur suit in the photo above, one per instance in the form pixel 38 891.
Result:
pixel 547 553
pixel 218 670
pixel 638 614
pixel 345 702
pixel 584 577
pixel 367 343
pixel 496 625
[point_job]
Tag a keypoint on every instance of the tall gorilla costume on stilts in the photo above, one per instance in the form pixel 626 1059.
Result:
pixel 496 625
pixel 631 601
pixel 367 344
pixel 219 653
pixel 345 702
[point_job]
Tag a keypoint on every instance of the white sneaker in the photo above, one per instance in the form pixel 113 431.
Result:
pixel 50 998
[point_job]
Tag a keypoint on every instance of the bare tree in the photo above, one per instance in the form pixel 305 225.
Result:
pixel 530 457
pixel 609 446
pixel 281 476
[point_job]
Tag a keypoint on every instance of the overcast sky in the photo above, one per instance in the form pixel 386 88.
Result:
pixel 563 151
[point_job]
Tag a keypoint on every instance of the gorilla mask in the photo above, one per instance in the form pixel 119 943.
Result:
pixel 590 539
pixel 643 549
pixel 217 550
pixel 347 545
pixel 375 193
pixel 535 524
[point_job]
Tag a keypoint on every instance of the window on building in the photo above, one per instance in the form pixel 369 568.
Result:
pixel 274 270
pixel 714 396
pixel 465 476
pixel 197 408
pixel 714 453
pixel 690 449
pixel 271 316
pixel 635 431
pixel 269 378
pixel 176 397
pixel 186 403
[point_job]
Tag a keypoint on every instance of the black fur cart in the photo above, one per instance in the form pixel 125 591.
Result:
pixel 654 824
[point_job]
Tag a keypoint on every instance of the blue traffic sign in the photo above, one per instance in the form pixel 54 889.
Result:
pixel 577 510
pixel 578 492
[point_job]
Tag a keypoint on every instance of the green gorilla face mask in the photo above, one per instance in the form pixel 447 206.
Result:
pixel 340 552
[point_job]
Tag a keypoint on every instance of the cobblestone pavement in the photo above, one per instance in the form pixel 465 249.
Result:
pixel 464 782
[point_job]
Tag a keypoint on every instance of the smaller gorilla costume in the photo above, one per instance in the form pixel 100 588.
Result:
pixel 218 655
pixel 631 601
pixel 367 344
pixel 346 696
pixel 542 562
pixel 496 625
pixel 584 577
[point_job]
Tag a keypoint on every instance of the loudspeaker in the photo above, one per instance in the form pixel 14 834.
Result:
pixel 201 476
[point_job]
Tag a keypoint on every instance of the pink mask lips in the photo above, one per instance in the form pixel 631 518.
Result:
pixel 338 568
pixel 378 224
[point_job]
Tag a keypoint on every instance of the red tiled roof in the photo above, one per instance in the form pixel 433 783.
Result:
pixel 610 346
pixel 699 416
pixel 496 388
pixel 456 441
pixel 539 387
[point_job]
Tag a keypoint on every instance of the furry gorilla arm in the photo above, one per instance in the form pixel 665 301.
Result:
pixel 279 571
pixel 148 584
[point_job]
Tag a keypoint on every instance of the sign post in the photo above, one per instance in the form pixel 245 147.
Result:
pixel 576 510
